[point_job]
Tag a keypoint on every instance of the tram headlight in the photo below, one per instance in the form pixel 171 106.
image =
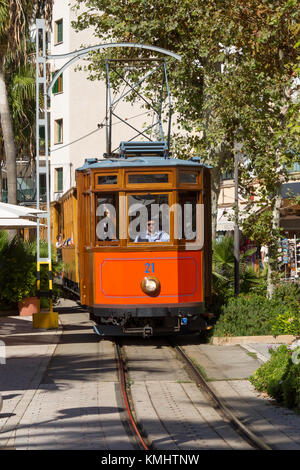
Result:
pixel 151 286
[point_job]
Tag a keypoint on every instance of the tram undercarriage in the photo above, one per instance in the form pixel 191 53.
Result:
pixel 147 322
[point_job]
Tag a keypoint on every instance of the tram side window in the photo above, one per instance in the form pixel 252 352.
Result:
pixel 149 218
pixel 186 221
pixel 107 217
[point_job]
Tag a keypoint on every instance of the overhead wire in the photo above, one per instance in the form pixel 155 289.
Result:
pixel 99 127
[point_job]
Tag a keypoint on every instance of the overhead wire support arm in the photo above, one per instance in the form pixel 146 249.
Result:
pixel 76 55
pixel 86 50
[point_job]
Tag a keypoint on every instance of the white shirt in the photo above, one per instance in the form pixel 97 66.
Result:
pixel 158 236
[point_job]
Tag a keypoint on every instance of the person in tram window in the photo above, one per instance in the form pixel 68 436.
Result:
pixel 153 234
pixel 59 244
pixel 106 227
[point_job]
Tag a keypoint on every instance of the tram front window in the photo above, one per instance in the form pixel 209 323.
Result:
pixel 187 219
pixel 107 217
pixel 149 218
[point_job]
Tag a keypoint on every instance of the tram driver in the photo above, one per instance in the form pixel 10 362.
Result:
pixel 153 234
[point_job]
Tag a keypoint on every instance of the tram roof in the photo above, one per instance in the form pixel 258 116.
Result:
pixel 141 162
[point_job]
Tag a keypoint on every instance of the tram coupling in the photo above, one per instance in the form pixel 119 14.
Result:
pixel 146 331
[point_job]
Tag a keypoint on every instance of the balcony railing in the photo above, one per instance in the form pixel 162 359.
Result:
pixel 26 195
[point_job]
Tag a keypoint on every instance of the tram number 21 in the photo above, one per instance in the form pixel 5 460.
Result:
pixel 149 268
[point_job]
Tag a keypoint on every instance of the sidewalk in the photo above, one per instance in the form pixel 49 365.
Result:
pixel 27 352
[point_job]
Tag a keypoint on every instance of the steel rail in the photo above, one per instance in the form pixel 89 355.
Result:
pixel 122 378
pixel 252 438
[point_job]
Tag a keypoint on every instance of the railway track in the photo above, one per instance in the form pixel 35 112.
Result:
pixel 216 403
pixel 125 390
pixel 255 441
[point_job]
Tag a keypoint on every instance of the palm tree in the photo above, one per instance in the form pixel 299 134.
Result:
pixel 16 17
pixel 20 83
pixel 223 268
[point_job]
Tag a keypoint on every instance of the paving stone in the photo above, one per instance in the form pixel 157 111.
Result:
pixel 264 418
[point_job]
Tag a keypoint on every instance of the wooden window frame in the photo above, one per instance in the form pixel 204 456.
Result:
pixel 107 187
pixel 182 242
pixel 103 243
pixel 191 186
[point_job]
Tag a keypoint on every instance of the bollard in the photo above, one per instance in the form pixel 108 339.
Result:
pixel 46 320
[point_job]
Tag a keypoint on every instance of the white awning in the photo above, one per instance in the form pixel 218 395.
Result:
pixel 12 216
pixel 225 217
pixel 10 223
pixel 225 220
pixel 9 211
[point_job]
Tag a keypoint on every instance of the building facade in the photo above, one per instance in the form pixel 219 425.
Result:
pixel 78 105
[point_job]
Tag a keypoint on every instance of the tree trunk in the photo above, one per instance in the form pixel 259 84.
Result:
pixel 0 181
pixel 215 192
pixel 273 249
pixel 9 142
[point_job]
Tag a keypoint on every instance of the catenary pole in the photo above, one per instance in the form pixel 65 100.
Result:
pixel 236 225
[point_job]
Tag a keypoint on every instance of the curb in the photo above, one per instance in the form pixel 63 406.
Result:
pixel 232 340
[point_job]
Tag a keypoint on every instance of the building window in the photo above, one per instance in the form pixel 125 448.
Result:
pixel 227 175
pixel 58 131
pixel 58 31
pixel 58 85
pixel 58 179
pixel 295 168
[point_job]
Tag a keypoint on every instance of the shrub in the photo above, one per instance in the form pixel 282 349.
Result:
pixel 18 269
pixel 249 314
pixel 289 294
pixel 17 272
pixel 287 322
pixel 280 376
pixel 255 314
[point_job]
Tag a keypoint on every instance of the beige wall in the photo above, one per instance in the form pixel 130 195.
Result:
pixel 81 105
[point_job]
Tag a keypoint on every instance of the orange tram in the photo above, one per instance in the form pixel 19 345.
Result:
pixel 139 241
